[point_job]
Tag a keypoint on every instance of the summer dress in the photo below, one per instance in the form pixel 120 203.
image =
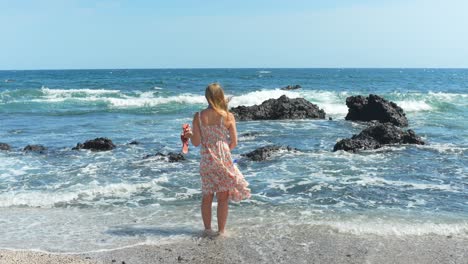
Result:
pixel 217 170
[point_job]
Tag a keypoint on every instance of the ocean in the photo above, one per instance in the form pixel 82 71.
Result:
pixel 65 200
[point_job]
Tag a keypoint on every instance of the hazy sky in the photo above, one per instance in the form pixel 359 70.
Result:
pixel 66 34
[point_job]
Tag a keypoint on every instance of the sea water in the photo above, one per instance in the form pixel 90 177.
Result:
pixel 65 200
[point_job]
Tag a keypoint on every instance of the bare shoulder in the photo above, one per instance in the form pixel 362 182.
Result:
pixel 205 112
pixel 196 117
pixel 230 120
pixel 231 117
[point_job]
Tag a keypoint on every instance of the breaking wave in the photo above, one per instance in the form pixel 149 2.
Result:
pixel 333 102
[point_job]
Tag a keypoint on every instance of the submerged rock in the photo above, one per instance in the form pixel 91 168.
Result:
pixel 35 148
pixel 281 108
pixel 250 134
pixel 375 107
pixel 377 135
pixel 292 87
pixel 134 142
pixel 4 146
pixel 171 156
pixel 97 144
pixel 264 153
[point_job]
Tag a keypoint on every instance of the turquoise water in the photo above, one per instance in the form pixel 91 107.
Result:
pixel 66 200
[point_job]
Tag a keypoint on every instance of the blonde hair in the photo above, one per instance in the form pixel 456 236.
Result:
pixel 214 94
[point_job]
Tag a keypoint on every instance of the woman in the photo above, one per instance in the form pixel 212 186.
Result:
pixel 215 129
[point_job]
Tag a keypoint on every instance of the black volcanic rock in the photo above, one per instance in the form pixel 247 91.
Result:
pixel 281 108
pixel 97 144
pixel 4 146
pixel 291 87
pixel 377 135
pixel 353 145
pixel 171 156
pixel 34 148
pixel 375 107
pixel 250 134
pixel 264 153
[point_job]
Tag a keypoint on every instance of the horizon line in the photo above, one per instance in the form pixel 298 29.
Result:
pixel 228 68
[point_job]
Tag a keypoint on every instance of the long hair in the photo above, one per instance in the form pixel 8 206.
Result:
pixel 214 94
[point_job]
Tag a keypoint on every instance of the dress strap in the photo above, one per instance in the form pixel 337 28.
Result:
pixel 222 118
pixel 200 123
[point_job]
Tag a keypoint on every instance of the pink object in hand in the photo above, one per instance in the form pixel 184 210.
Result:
pixel 185 141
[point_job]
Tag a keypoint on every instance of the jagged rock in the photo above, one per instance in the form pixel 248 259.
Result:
pixel 353 144
pixel 134 142
pixel 250 134
pixel 4 146
pixel 377 135
pixel 35 148
pixel 375 107
pixel 292 87
pixel 264 153
pixel 97 144
pixel 281 108
pixel 171 156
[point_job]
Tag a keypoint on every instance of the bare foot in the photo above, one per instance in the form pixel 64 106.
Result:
pixel 222 233
pixel 209 233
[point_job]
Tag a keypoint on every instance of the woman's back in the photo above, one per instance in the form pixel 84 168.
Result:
pixel 210 117
pixel 213 128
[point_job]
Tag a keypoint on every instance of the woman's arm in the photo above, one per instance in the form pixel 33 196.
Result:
pixel 232 131
pixel 196 131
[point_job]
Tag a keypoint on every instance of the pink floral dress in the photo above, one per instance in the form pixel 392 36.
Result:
pixel 218 172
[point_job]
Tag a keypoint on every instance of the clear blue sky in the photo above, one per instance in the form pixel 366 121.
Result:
pixel 66 34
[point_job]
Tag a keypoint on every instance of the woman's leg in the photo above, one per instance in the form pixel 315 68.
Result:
pixel 206 210
pixel 222 198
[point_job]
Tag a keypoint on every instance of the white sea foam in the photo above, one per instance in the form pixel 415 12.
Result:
pixel 413 102
pixel 334 108
pixel 13 168
pixel 414 106
pixel 332 102
pixel 447 96
pixel 444 148
pixel 257 97
pixel 48 198
pixel 71 92
pixel 370 180
pixel 279 184
pixel 148 101
pixel 385 228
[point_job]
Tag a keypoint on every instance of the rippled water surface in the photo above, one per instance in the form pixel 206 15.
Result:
pixel 102 200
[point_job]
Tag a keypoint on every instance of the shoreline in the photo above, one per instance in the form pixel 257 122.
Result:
pixel 268 244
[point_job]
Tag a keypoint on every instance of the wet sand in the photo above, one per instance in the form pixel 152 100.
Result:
pixel 260 244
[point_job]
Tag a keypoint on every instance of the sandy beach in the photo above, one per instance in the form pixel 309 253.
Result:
pixel 297 244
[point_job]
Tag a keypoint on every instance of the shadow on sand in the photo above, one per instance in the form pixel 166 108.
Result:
pixel 152 231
